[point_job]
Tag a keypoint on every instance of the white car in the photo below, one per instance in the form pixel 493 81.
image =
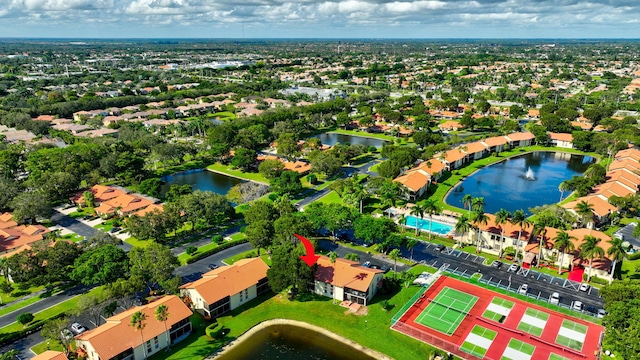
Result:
pixel 577 305
pixel 584 287
pixel 523 289
pixel 77 328
pixel 513 268
pixel 554 299
pixel 601 313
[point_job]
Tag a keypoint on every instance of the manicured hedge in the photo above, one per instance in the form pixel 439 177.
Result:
pixel 216 250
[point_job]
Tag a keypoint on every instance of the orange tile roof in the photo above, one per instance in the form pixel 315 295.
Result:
pixel 613 188
pixel 51 355
pixel 126 202
pixel 450 125
pixel 454 155
pixel 628 153
pixel 533 113
pixel 18 236
pixel 6 221
pixel 582 125
pixel 495 141
pixel 229 280
pixel 345 273
pixel 510 230
pixel 100 193
pixel 624 177
pixel 431 166
pixel 117 335
pixel 413 180
pixel 628 164
pixel 149 209
pixel 520 136
pixel 475 147
pixel 600 205
pixel 561 137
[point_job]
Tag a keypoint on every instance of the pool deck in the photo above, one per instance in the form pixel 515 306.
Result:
pixel 447 218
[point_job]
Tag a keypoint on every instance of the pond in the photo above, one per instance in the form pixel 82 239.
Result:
pixel 521 182
pixel 334 138
pixel 200 179
pixel 290 342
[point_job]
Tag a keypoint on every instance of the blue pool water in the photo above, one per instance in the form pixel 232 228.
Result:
pixel 423 224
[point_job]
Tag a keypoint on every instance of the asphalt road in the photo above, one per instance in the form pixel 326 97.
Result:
pixel 79 227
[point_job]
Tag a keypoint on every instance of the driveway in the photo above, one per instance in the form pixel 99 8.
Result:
pixel 71 224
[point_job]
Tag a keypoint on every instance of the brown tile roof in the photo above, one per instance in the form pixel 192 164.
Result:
pixel 495 141
pixel 117 335
pixel 561 137
pixel 345 273
pixel 51 355
pixel 520 136
pixel 582 125
pixel 413 180
pixel 601 206
pixel 229 280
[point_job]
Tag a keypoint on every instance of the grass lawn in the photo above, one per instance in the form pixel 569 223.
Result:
pixel 20 304
pixel 330 198
pixel 228 170
pixel 184 257
pixel 224 115
pixel 139 243
pixel 371 331
pixel 238 236
pixel 248 254
pixel 73 237
pixel 366 134
pixel 47 345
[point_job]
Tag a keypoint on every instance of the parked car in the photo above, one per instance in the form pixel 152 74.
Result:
pixel 523 289
pixel 385 268
pixel 78 328
pixel 554 299
pixel 367 264
pixel 439 247
pixel 66 334
pixel 601 313
pixel 496 264
pixel 584 287
pixel 115 230
pixel 577 305
pixel 513 267
pixel 212 266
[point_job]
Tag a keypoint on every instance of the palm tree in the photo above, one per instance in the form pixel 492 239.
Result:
pixel 477 203
pixel 462 226
pixel 618 251
pixel 562 242
pixel 502 217
pixel 585 211
pixel 138 322
pixel 402 220
pixel 479 218
pixel 431 208
pixel 162 314
pixel 590 249
pixel 564 186
pixel 520 218
pixel 332 257
pixel 410 243
pixel 467 200
pixel 540 231
pixel 394 255
pixel 418 212
pixel 352 257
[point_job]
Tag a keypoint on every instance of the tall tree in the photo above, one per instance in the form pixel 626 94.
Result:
pixel 585 211
pixel 478 217
pixel 467 200
pixel 590 249
pixel 101 265
pixel 138 322
pixel 154 264
pixel 617 251
pixel 394 255
pixel 563 243
pixel 418 212
pixel 502 217
pixel 260 234
pixel 162 314
pixel 462 226
pixel 520 219
pixel 431 208
pixel 410 243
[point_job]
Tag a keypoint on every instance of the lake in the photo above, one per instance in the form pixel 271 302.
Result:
pixel 290 342
pixel 504 184
pixel 200 179
pixel 334 138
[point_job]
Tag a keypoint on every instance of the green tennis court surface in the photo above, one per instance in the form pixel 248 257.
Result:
pixel 518 350
pixel 447 310
pixel 498 310
pixel 571 334
pixel 478 341
pixel 553 356
pixel 533 321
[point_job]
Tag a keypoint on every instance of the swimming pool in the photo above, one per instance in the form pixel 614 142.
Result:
pixel 423 224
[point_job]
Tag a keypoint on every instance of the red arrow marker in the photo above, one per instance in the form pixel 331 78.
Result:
pixel 311 256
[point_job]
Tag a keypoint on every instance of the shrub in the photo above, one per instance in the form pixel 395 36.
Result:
pixel 6 288
pixel 25 318
pixel 273 196
pixel 191 250
pixel 372 149
pixel 216 331
pixel 218 239
pixel 600 281
pixel 634 256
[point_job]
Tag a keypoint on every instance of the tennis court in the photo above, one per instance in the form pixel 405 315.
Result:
pixel 447 310
pixel 498 309
pixel 533 321
pixel 572 334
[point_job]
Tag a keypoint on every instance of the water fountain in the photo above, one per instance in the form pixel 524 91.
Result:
pixel 529 174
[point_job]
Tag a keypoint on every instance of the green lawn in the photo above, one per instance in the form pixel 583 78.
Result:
pixel 248 254
pixel 331 197
pixel 184 257
pixel 47 345
pixel 238 236
pixel 228 170
pixel 371 331
pixel 366 134
pixel 138 243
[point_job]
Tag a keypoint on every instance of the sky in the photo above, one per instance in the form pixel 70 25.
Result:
pixel 422 19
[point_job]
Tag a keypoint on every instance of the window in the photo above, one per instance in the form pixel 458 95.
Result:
pixel 156 342
pixel 148 346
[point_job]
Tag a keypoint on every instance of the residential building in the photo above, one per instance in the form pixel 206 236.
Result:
pixel 118 340
pixel 561 140
pixel 227 287
pixel 14 237
pixel 346 280
pixel 51 355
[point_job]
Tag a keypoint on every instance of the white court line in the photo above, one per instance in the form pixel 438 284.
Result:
pixel 572 334
pixel 514 354
pixel 498 309
pixel 534 321
pixel 478 340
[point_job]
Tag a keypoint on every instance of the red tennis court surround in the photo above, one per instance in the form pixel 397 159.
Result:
pixel 545 344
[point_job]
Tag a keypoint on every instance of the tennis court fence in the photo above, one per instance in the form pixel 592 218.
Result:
pixel 436 341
